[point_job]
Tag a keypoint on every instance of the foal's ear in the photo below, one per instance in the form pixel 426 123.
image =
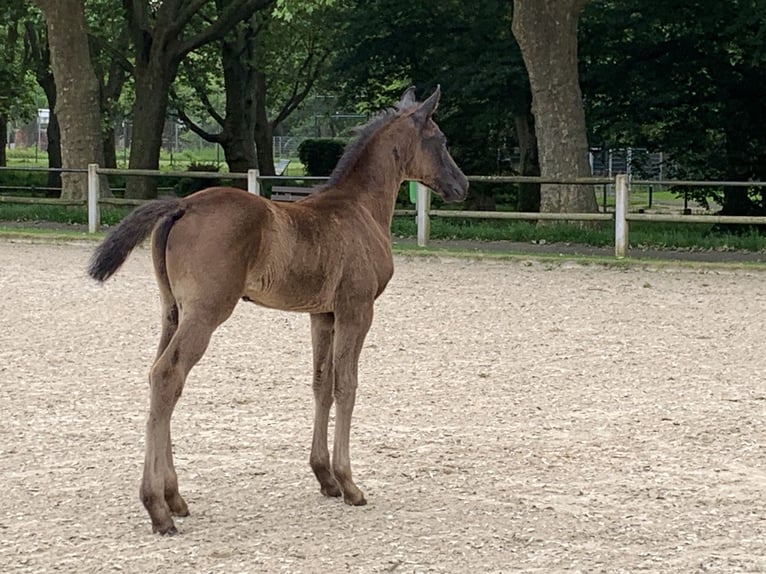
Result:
pixel 407 100
pixel 428 107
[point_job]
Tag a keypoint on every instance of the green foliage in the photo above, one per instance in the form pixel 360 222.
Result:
pixel 16 96
pixel 58 214
pixel 188 185
pixel 320 155
pixel 687 78
pixel 24 183
pixel 642 234
pixel 467 48
pixel 271 62
pixel 290 10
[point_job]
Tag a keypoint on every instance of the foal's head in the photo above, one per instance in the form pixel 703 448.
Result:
pixel 430 163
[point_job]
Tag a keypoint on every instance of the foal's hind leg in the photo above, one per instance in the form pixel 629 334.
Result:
pixel 159 486
pixel 169 324
pixel 321 342
pixel 173 498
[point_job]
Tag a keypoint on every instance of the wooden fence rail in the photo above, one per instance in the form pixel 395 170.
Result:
pixel 423 212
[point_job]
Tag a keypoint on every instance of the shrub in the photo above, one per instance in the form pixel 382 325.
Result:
pixel 188 185
pixel 26 183
pixel 320 156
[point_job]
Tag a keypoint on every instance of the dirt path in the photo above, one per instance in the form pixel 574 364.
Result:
pixel 511 417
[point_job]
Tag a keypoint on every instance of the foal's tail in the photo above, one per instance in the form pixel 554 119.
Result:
pixel 114 250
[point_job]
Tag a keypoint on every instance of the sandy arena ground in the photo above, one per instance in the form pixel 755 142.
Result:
pixel 511 417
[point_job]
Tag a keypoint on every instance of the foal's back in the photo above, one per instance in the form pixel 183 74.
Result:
pixel 300 256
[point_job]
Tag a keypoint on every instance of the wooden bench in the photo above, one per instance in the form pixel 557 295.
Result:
pixel 290 193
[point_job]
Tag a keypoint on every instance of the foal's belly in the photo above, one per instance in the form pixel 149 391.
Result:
pixel 283 303
pixel 290 292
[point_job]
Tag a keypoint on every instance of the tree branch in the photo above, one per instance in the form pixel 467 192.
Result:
pixel 197 129
pixel 117 54
pixel 298 95
pixel 137 16
pixel 184 16
pixel 232 14
pixel 205 99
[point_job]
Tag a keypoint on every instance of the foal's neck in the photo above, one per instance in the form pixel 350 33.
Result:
pixel 375 179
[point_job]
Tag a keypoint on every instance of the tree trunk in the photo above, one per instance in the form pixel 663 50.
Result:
pixel 237 139
pixel 264 142
pixel 54 151
pixel 739 166
pixel 39 54
pixel 4 140
pixel 264 146
pixel 546 31
pixel 110 153
pixel 152 81
pixel 159 49
pixel 53 131
pixel 77 94
pixel 111 79
pixel 529 193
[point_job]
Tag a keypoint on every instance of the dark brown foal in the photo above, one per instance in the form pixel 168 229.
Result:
pixel 328 255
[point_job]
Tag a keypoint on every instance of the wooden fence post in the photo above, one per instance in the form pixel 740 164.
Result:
pixel 620 213
pixel 252 182
pixel 94 193
pixel 423 219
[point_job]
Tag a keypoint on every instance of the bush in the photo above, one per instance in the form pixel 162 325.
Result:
pixel 26 183
pixel 320 156
pixel 188 185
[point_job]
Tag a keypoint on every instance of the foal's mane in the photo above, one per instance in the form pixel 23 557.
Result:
pixel 356 147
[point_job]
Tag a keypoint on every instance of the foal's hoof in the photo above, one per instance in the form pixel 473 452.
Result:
pixel 331 491
pixel 357 500
pixel 178 507
pixel 165 531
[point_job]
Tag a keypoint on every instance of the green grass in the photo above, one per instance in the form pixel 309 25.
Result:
pixel 694 236
pixel 642 234
pixel 59 214
pixel 179 161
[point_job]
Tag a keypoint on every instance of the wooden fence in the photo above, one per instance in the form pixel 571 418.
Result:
pixel 423 212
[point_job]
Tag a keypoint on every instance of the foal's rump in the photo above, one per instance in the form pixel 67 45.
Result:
pixel 208 251
pixel 214 220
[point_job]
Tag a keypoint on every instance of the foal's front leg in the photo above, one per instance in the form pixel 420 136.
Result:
pixel 322 343
pixel 350 330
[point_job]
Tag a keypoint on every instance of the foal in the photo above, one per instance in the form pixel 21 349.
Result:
pixel 328 255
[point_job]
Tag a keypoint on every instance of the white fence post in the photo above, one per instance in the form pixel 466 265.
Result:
pixel 252 182
pixel 620 213
pixel 94 193
pixel 423 219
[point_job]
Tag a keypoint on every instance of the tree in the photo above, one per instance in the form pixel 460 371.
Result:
pixel 468 49
pixel 110 50
pixel 77 93
pixel 688 79
pixel 38 60
pixel 163 34
pixel 293 54
pixel 269 67
pixel 546 31
pixel 15 100
pixel 233 128
pixel 108 46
